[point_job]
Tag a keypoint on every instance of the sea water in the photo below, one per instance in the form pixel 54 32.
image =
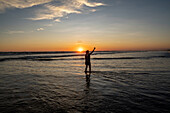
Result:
pixel 53 82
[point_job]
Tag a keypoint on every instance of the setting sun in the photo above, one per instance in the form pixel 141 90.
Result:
pixel 80 49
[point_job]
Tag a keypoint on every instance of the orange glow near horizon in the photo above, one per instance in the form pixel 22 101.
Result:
pixel 108 45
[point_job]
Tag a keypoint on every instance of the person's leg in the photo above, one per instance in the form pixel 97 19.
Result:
pixel 90 67
pixel 86 68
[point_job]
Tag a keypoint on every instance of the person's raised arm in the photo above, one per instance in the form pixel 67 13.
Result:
pixel 92 51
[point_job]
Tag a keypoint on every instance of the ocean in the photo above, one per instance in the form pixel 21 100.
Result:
pixel 55 82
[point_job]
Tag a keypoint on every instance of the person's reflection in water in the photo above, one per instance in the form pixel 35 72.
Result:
pixel 87 95
pixel 88 80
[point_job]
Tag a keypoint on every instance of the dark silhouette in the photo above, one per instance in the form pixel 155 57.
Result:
pixel 87 60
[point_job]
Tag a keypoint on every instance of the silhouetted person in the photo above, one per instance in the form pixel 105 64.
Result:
pixel 87 60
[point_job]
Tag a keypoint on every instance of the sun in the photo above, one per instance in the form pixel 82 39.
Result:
pixel 80 49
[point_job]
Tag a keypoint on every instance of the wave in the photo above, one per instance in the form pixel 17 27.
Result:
pixel 38 57
pixel 31 53
pixel 61 52
pixel 65 57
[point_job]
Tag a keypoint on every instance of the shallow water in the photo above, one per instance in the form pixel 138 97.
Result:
pixel 136 82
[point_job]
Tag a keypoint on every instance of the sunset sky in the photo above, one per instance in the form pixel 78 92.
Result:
pixel 66 25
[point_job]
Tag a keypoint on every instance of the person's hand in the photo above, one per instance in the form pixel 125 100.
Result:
pixel 94 47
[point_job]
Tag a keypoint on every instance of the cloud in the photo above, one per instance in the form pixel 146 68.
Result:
pixel 94 4
pixel 63 8
pixel 15 32
pixel 51 9
pixel 57 20
pixel 40 29
pixel 4 4
pixel 79 42
pixel 93 10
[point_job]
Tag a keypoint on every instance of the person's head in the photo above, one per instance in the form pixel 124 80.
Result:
pixel 87 52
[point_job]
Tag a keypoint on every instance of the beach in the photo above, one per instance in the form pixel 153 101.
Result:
pixel 54 82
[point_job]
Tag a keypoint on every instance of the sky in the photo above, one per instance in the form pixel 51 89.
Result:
pixel 67 25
